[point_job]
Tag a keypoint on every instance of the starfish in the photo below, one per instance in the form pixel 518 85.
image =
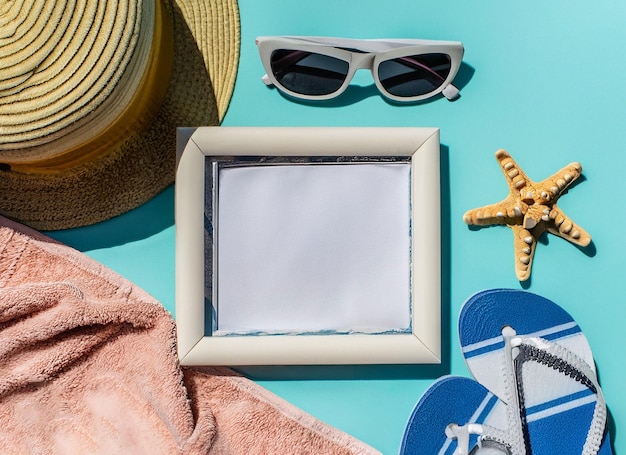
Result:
pixel 530 210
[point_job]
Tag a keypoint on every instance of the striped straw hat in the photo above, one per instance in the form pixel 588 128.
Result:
pixel 91 93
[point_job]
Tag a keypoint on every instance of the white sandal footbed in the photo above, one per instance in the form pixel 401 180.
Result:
pixel 516 440
pixel 538 379
pixel 569 364
pixel 557 375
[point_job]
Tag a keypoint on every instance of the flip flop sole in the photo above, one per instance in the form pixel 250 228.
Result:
pixel 556 405
pixel 450 399
pixel 484 315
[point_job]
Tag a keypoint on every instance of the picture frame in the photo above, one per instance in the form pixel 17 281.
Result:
pixel 202 151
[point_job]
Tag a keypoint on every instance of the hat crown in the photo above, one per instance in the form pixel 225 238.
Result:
pixel 66 67
pixel 88 126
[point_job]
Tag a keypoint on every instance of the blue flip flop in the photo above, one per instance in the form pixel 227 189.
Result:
pixel 531 354
pixel 456 415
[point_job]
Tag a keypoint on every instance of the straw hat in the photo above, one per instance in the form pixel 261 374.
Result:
pixel 91 93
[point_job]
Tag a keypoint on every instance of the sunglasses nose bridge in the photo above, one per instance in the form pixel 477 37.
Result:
pixel 362 62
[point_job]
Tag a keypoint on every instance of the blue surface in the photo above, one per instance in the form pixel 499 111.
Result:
pixel 543 80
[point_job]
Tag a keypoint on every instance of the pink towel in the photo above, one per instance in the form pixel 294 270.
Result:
pixel 88 365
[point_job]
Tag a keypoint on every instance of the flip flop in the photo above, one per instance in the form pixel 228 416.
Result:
pixel 456 415
pixel 531 354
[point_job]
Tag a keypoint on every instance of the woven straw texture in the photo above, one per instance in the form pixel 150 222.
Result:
pixel 91 94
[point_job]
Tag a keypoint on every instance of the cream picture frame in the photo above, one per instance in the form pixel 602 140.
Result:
pixel 199 344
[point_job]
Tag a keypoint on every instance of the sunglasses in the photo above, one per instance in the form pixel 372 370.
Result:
pixel 319 68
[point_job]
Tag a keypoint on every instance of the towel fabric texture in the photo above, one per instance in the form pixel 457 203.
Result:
pixel 88 365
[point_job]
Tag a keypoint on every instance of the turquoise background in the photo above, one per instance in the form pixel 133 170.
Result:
pixel 543 80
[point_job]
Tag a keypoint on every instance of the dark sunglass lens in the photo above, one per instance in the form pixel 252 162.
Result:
pixel 308 73
pixel 414 75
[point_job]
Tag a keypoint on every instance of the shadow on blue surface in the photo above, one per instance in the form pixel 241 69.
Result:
pixel 146 220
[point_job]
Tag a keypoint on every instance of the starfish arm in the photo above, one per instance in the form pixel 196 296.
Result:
pixel 530 210
pixel 555 185
pixel 524 244
pixel 515 176
pixel 504 212
pixel 564 227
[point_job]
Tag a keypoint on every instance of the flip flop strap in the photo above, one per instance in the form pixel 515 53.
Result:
pixel 502 438
pixel 516 425
pixel 486 433
pixel 569 364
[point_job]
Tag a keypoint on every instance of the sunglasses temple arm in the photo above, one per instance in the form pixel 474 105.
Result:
pixel 289 59
pixel 450 92
pixel 266 80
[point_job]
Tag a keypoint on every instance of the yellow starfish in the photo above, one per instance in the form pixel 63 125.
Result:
pixel 530 210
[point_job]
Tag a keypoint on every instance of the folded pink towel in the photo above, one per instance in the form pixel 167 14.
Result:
pixel 88 365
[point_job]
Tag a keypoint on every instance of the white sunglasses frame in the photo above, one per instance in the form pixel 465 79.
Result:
pixel 373 52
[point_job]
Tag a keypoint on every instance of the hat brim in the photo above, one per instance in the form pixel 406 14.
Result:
pixel 206 54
